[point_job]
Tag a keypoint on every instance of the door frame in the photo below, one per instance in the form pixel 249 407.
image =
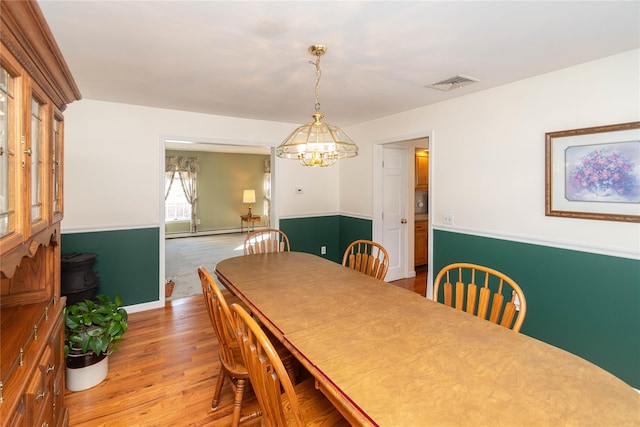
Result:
pixel 412 141
pixel 241 146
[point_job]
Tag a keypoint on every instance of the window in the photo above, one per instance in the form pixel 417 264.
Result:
pixel 176 206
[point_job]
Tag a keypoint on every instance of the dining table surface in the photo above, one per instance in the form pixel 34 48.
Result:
pixel 387 356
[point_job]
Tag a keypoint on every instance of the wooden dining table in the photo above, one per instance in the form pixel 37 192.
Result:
pixel 386 356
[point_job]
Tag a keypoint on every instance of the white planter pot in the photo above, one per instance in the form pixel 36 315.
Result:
pixel 83 378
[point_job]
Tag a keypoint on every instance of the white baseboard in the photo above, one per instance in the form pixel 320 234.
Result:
pixel 202 233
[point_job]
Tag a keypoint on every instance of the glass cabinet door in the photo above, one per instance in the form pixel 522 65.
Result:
pixel 35 154
pixel 7 155
pixel 56 168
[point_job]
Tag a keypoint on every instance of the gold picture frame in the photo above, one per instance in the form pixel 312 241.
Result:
pixel 594 173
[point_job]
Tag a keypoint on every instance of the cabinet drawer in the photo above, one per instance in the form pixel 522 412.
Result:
pixel 44 418
pixel 38 395
pixel 19 418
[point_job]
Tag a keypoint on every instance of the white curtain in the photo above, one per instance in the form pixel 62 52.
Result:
pixel 169 174
pixel 187 168
pixel 267 192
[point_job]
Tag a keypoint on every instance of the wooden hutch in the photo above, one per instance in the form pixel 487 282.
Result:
pixel 35 88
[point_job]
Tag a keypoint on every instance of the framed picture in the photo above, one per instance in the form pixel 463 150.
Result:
pixel 594 173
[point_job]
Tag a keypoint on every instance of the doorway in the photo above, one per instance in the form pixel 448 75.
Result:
pixel 215 240
pixel 404 238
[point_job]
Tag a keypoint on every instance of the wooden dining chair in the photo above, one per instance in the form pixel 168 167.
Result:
pixel 461 283
pixel 232 366
pixel 368 257
pixel 266 240
pixel 282 402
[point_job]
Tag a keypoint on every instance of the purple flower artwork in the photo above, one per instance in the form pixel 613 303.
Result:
pixel 603 172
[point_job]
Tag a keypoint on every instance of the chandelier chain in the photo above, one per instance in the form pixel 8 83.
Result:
pixel 318 74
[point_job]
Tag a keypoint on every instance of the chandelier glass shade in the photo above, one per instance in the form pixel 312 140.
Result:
pixel 317 143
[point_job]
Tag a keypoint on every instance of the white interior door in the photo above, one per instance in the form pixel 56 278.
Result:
pixel 394 205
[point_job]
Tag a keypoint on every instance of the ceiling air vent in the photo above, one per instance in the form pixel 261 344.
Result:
pixel 453 82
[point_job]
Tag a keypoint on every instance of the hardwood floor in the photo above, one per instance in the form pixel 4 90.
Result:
pixel 416 284
pixel 165 371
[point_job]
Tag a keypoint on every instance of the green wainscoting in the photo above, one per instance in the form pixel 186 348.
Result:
pixel 353 229
pixel 585 303
pixel 333 231
pixel 128 261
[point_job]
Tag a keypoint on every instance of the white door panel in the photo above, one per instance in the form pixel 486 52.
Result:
pixel 394 202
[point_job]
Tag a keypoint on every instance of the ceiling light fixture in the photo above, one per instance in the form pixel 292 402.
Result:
pixel 317 143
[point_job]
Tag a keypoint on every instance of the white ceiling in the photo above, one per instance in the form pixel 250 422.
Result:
pixel 249 59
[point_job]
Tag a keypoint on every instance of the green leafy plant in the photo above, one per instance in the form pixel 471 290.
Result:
pixel 94 326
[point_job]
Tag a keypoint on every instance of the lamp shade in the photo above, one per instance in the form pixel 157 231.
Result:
pixel 317 144
pixel 249 196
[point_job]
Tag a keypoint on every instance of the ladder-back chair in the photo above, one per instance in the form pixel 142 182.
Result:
pixel 282 403
pixel 367 257
pixel 266 240
pixel 481 291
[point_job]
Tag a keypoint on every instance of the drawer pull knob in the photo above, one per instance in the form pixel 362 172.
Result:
pixel 50 368
pixel 40 395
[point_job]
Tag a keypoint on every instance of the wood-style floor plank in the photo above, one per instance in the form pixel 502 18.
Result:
pixel 164 374
pixel 166 370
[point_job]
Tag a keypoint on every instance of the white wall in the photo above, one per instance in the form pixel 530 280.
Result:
pixel 356 179
pixel 487 157
pixel 113 162
pixel 487 153
pixel 319 190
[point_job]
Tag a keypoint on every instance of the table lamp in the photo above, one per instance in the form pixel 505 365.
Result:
pixel 249 196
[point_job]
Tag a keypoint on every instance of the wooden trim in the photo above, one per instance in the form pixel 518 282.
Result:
pixel 12 259
pixel 28 37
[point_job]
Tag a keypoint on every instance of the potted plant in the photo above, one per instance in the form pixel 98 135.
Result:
pixel 93 329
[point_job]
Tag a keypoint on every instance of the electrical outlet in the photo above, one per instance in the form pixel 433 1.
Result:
pixel 448 219
pixel 323 250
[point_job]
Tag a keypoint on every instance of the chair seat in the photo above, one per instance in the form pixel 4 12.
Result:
pixel 238 370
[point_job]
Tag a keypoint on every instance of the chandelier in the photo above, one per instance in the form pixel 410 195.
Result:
pixel 317 143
